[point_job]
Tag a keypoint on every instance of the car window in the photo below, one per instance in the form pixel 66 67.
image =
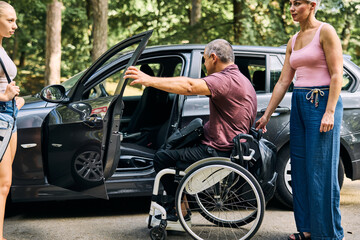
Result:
pixel 71 81
pixel 254 68
pixel 348 79
pixel 112 70
pixel 275 67
pixel 105 88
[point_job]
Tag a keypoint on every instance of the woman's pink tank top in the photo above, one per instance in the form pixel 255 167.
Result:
pixel 310 63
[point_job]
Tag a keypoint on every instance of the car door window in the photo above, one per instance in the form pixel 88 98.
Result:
pixel 275 67
pixel 105 88
pixel 112 73
pixel 254 68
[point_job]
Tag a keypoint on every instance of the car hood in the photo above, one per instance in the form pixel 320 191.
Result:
pixel 33 102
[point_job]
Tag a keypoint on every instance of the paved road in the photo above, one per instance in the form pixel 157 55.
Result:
pixel 125 219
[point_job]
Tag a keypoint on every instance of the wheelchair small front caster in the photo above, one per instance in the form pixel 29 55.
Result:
pixel 158 233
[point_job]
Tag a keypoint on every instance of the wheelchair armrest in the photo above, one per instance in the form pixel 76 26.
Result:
pixel 246 157
pixel 252 153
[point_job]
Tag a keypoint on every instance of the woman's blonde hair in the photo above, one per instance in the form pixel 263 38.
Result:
pixel 4 5
pixel 317 4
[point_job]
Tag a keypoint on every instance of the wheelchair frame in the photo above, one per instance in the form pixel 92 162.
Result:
pixel 215 188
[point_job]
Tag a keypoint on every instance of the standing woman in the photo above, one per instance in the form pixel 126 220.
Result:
pixel 315 55
pixel 7 93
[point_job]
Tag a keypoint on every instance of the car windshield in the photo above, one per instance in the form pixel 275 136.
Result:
pixel 68 84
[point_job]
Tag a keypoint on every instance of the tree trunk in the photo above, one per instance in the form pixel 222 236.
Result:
pixel 53 43
pixel 195 12
pixel 100 27
pixel 238 16
pixel 22 59
pixel 350 16
pixel 282 16
pixel 346 35
pixel 195 16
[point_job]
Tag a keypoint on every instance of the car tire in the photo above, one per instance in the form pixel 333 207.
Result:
pixel 283 185
pixel 341 173
pixel 86 167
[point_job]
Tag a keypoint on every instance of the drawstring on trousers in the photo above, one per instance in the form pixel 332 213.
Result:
pixel 313 94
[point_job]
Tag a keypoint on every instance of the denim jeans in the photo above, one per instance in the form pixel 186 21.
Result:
pixel 314 165
pixel 9 108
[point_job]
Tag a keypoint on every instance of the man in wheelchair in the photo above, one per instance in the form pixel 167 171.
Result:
pixel 232 101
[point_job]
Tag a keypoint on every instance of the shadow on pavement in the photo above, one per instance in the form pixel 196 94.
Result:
pixel 79 208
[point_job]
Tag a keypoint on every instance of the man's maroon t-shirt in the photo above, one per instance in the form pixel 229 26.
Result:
pixel 232 107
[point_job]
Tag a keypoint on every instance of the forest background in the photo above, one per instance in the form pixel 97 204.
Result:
pixel 57 39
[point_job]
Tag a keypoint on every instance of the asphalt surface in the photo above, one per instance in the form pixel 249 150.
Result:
pixel 125 219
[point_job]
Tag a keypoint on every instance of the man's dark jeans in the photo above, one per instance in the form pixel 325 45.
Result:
pixel 181 159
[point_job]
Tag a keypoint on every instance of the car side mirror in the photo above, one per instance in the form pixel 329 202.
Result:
pixel 54 93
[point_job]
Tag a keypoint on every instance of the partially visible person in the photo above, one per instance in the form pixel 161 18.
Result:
pixel 315 55
pixel 232 101
pixel 7 93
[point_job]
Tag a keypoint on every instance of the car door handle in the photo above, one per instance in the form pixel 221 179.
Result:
pixel 93 121
pixel 279 110
pixel 282 110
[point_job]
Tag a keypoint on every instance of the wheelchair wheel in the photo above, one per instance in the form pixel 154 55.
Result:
pixel 158 233
pixel 223 201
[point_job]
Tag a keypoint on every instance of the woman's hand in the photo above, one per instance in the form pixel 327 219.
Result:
pixel 327 122
pixel 261 123
pixel 11 91
pixel 19 102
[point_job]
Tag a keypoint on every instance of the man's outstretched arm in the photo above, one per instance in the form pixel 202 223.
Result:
pixel 178 85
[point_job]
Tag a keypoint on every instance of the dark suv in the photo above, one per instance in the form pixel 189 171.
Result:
pixel 95 126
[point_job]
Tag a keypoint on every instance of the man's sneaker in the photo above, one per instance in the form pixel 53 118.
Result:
pixel 171 216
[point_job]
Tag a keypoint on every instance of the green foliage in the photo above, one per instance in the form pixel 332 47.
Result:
pixel 266 22
pixel 75 37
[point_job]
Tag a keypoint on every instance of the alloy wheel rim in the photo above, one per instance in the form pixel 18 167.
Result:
pixel 88 166
pixel 287 176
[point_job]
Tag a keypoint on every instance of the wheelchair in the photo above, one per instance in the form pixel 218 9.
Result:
pixel 221 198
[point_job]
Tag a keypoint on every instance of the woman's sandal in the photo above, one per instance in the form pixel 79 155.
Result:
pixel 299 236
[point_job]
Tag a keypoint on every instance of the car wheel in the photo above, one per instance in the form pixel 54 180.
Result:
pixel 283 186
pixel 87 168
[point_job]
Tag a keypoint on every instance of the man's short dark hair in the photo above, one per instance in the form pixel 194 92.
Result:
pixel 222 49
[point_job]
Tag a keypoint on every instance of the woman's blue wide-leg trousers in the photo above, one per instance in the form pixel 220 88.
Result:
pixel 314 164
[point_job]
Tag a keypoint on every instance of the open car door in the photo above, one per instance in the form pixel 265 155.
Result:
pixel 82 134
